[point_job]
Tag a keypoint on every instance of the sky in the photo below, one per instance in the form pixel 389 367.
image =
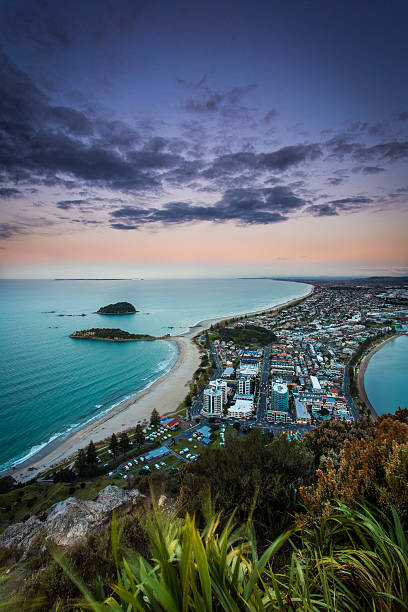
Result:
pixel 188 139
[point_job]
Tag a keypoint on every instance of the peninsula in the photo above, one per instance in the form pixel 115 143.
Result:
pixel 111 335
pixel 120 308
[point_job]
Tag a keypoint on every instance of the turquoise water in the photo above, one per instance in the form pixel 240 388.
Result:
pixel 386 377
pixel 51 384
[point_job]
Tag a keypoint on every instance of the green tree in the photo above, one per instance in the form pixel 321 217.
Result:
pixel 139 436
pixel 113 445
pixel 124 442
pixel 91 458
pixel 81 462
pixel 155 418
pixel 252 470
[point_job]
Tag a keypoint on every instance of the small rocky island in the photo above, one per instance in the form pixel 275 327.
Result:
pixel 112 335
pixel 120 308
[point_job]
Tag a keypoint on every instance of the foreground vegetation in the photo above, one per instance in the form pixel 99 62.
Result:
pixel 353 560
pixel 251 526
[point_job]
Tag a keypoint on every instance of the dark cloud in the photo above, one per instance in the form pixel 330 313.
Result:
pixel 403 116
pixel 279 160
pixel 184 173
pixel 340 146
pixel 7 230
pixel 26 226
pixel 284 158
pixel 336 207
pixel 209 101
pixel 335 180
pixel 231 164
pixel 372 170
pixel 116 134
pixel 45 144
pixel 388 151
pixel 68 204
pixel 9 192
pixel 357 126
pixel 70 119
pixel 243 206
pixel 357 200
pixel 270 115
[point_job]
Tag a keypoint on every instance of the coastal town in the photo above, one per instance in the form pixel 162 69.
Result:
pixel 288 386
pixel 282 371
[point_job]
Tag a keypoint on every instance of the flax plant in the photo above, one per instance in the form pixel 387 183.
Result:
pixel 353 560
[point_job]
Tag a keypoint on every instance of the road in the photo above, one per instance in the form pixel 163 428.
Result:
pixel 198 403
pixel 263 387
pixel 347 394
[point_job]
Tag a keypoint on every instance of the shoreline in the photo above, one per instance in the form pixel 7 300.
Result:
pixel 361 372
pixel 205 324
pixel 165 394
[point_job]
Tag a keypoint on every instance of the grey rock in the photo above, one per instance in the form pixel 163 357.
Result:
pixel 19 538
pixel 68 522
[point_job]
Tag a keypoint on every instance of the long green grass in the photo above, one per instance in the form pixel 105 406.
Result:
pixel 353 560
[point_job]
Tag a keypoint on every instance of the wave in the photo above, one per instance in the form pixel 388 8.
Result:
pixel 162 368
pixel 36 449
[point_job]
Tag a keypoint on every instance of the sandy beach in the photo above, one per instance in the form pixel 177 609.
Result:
pixel 361 371
pixel 165 394
pixel 202 326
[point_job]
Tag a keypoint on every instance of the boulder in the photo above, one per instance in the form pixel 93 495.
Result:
pixel 68 522
pixel 19 538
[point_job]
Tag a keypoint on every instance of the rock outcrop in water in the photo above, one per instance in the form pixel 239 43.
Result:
pixel 120 308
pixel 113 335
pixel 68 522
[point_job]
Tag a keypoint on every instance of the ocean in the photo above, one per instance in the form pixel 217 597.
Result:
pixel 386 377
pixel 51 384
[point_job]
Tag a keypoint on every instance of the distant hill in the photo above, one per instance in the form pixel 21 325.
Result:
pixel 120 308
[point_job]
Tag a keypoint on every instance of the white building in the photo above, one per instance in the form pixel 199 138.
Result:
pixel 220 385
pixel 302 415
pixel 316 386
pixel 245 385
pixel 213 402
pixel 279 396
pixel 249 369
pixel 242 409
pixel 278 416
